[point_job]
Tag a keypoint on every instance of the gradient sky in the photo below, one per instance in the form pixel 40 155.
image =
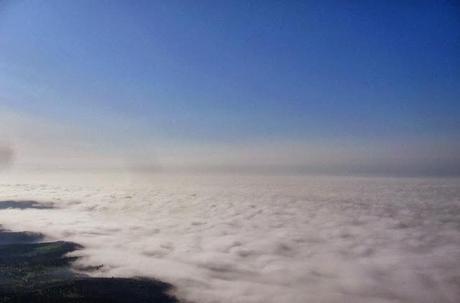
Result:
pixel 333 86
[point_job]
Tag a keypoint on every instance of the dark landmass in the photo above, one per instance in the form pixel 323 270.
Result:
pixel 35 271
pixel 24 204
pixel 11 237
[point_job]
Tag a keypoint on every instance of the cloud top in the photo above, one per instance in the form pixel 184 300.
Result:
pixel 261 239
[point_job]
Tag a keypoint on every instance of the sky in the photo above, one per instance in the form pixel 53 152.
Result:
pixel 342 87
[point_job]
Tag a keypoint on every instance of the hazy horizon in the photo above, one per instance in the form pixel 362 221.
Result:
pixel 262 87
pixel 257 151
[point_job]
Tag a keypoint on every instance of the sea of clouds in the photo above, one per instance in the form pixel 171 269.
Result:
pixel 258 239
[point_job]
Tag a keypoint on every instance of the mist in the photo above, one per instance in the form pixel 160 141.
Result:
pixel 47 144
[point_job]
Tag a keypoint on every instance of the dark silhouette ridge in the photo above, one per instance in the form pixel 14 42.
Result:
pixel 25 204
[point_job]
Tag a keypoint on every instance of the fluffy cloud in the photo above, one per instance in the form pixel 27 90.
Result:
pixel 260 239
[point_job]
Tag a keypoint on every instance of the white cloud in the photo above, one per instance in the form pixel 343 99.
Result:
pixel 259 239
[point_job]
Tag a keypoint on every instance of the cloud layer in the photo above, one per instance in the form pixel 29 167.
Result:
pixel 259 239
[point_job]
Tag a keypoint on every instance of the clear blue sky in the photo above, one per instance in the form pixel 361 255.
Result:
pixel 229 73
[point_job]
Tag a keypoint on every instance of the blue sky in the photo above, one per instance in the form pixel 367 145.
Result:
pixel 377 80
